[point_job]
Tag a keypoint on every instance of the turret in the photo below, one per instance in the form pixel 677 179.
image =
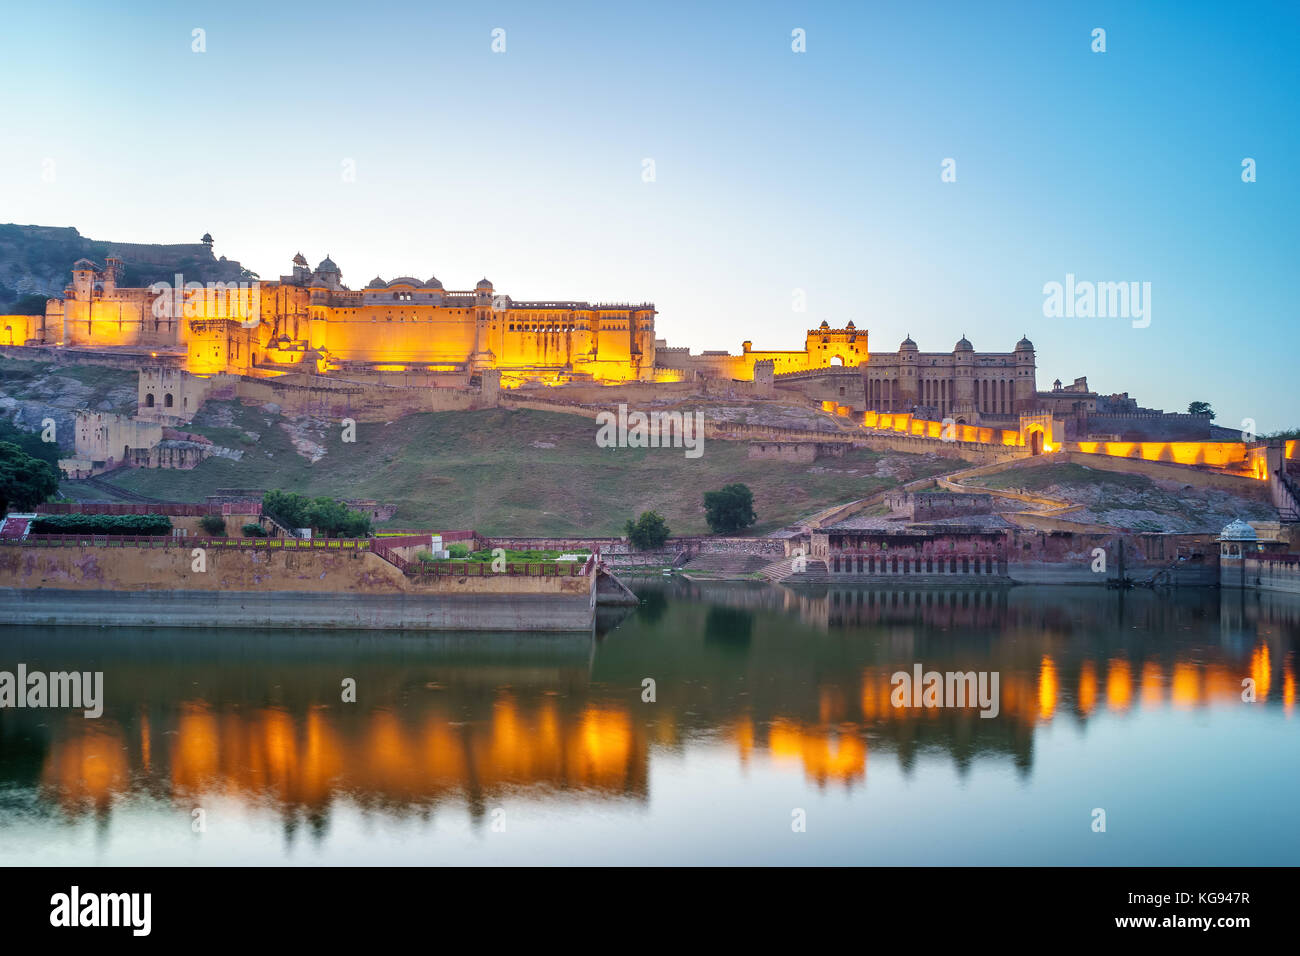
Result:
pixel 908 385
pixel 1025 395
pixel 963 406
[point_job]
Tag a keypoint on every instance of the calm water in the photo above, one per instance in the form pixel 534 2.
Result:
pixel 517 748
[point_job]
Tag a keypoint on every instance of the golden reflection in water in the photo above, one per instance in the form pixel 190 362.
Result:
pixel 146 745
pixel 830 704
pixel 1220 685
pixel 1152 685
pixel 1185 686
pixel 1119 684
pixel 90 765
pixel 1087 697
pixel 311 756
pixel 309 759
pixel 1288 686
pixel 1047 688
pixel 875 696
pixel 825 753
pixel 1261 671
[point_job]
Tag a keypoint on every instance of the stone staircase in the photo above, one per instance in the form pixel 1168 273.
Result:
pixel 815 572
pixel 737 564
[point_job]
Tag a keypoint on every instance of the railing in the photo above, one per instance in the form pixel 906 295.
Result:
pixel 409 532
pixel 482 569
pixel 170 541
pixel 172 509
pixel 413 569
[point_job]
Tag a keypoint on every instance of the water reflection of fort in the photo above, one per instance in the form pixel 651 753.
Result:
pixel 803 687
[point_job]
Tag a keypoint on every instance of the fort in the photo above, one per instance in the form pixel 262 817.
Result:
pixel 310 346
pixel 412 333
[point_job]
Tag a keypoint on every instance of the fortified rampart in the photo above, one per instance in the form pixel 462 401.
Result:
pixel 259 586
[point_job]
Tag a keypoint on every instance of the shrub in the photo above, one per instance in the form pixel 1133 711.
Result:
pixel 102 524
pixel 254 531
pixel 459 550
pixel 214 525
pixel 330 518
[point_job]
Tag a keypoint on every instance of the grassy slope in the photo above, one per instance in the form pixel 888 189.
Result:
pixel 1044 476
pixel 481 470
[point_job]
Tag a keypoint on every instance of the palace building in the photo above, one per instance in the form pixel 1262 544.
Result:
pixel 963 384
pixel 310 321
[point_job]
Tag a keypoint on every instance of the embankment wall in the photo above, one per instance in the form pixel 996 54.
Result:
pixel 245 587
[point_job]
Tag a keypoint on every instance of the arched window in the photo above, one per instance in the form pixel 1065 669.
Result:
pixel 148 400
pixel 167 400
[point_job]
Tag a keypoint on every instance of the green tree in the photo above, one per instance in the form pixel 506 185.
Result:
pixel 31 443
pixel 648 532
pixel 729 509
pixel 328 516
pixel 24 481
pixel 213 524
pixel 1200 408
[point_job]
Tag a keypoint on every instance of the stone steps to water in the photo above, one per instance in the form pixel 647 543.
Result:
pixel 783 569
pixel 725 563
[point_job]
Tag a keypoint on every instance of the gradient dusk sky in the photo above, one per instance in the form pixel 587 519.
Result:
pixel 775 171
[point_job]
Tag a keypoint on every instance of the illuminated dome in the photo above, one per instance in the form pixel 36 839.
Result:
pixel 433 283
pixel 850 325
pixel 963 345
pixel 327 265
pixel 908 345
pixel 1238 531
pixel 377 283
pixel 484 283
pixel 824 325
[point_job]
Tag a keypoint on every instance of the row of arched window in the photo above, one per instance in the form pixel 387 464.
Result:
pixel 871 564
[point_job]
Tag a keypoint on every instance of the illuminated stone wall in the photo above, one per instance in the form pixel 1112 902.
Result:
pixel 19 329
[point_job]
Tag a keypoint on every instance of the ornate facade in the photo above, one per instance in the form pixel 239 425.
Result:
pixel 310 321
pixel 963 384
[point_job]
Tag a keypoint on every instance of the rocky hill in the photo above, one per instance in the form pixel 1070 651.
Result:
pixel 38 260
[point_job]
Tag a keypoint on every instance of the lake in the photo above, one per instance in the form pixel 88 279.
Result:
pixel 771 737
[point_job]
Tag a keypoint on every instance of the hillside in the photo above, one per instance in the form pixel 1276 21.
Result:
pixel 1132 501
pixel 33 391
pixel 38 259
pixel 520 472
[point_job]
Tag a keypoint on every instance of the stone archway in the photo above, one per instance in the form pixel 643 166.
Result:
pixel 1036 441
pixel 837 361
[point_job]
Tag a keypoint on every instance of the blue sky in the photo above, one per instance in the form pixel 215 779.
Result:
pixel 775 171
